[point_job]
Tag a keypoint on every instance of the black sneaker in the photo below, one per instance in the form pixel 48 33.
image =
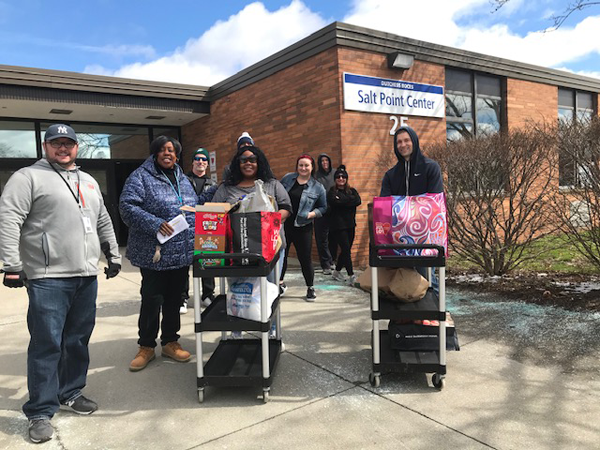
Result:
pixel 81 405
pixel 282 289
pixel 310 294
pixel 40 430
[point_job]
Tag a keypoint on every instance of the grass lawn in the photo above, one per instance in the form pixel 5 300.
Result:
pixel 557 255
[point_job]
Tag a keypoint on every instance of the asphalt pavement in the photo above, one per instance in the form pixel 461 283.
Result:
pixel 513 385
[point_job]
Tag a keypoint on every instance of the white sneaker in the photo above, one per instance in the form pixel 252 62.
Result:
pixel 206 302
pixel 351 280
pixel 337 276
pixel 184 308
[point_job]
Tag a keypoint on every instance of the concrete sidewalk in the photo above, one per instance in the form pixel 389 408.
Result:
pixel 320 397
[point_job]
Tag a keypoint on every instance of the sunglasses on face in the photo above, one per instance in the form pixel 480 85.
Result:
pixel 341 176
pixel 249 159
pixel 200 158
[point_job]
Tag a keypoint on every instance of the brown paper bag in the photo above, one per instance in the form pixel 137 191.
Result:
pixel 408 285
pixel 384 276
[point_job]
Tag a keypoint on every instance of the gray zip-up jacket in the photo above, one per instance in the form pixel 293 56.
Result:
pixel 42 229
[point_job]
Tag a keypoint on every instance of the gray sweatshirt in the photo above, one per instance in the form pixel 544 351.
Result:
pixel 43 225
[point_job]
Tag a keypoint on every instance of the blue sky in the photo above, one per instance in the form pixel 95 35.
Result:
pixel 203 42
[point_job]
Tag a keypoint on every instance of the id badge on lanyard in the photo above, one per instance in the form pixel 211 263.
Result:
pixel 87 223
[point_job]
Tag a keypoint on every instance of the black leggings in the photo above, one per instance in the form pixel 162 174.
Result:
pixel 344 239
pixel 301 237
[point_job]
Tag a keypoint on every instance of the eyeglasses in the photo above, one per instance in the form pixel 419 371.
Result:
pixel 67 145
pixel 200 158
pixel 248 159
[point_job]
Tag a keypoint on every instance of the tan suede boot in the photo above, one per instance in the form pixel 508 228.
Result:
pixel 141 360
pixel 174 351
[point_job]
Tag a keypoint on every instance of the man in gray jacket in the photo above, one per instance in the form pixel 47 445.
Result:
pixel 53 225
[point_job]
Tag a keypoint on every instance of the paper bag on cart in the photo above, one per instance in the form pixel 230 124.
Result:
pixel 243 298
pixel 408 285
pixel 384 278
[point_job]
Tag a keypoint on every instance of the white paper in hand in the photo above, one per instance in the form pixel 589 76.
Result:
pixel 178 223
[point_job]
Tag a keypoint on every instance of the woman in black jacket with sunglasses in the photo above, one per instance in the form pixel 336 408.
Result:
pixel 343 200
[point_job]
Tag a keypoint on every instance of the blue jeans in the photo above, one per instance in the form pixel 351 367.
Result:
pixel 61 317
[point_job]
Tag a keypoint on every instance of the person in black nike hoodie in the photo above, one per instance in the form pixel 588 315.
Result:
pixel 324 175
pixel 414 174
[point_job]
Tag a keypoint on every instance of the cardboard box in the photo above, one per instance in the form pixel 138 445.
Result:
pixel 210 243
pixel 211 232
pixel 211 219
pixel 206 262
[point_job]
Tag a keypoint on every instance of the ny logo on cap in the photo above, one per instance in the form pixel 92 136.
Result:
pixel 62 130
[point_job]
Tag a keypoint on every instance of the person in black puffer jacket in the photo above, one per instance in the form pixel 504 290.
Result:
pixel 342 201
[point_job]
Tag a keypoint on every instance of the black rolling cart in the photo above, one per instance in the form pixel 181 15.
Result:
pixel 236 362
pixel 431 307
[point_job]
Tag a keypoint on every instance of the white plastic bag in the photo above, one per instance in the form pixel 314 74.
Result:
pixel 243 298
pixel 256 201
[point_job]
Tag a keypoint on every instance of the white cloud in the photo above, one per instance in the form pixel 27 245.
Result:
pixel 551 48
pixel 436 21
pixel 228 46
pixel 255 33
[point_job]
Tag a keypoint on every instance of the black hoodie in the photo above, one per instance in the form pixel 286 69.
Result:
pixel 322 176
pixel 420 175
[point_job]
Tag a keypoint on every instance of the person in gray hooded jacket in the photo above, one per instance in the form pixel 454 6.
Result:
pixel 324 175
pixel 54 226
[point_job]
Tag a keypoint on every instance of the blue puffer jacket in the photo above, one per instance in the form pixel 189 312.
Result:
pixel 146 202
pixel 313 198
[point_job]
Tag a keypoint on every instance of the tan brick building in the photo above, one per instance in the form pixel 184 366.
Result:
pixel 292 103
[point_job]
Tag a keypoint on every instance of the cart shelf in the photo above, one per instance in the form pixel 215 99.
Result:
pixel 426 308
pixel 258 267
pixel 215 318
pixel 239 363
pixel 410 361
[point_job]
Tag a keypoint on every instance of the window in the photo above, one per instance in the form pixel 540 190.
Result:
pixel 473 104
pixel 110 141
pixel 17 139
pixel 572 106
pixel 473 108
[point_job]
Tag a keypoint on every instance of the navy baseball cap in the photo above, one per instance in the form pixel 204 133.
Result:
pixel 59 130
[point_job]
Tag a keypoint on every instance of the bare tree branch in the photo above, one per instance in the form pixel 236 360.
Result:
pixel 559 20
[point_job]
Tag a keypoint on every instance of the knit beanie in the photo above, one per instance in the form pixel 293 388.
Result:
pixel 341 170
pixel 245 138
pixel 202 151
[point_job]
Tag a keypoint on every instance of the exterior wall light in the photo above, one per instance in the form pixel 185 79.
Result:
pixel 397 60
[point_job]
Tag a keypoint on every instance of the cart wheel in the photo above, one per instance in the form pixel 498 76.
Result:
pixel 265 396
pixel 438 381
pixel 200 395
pixel 374 380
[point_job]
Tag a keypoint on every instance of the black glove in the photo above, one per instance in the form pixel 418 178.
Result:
pixel 112 270
pixel 14 279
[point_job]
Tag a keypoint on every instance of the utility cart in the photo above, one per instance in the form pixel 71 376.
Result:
pixel 431 307
pixel 236 362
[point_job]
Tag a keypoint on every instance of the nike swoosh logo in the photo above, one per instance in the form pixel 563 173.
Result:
pixel 416 174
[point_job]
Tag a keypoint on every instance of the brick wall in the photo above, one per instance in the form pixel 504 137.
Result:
pixel 530 102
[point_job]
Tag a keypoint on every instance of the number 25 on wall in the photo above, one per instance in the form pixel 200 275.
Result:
pixel 402 122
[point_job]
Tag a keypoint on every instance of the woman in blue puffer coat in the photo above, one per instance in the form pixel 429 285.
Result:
pixel 152 196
